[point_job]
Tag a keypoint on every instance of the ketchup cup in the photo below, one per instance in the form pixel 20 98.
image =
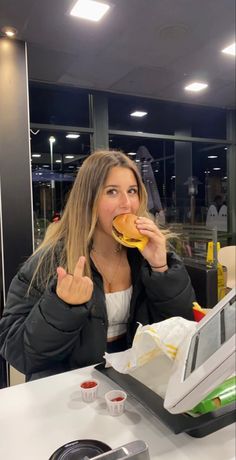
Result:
pixel 115 400
pixel 89 390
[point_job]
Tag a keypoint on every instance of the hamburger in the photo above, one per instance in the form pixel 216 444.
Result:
pixel 125 232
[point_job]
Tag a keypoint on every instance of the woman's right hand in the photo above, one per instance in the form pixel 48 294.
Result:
pixel 74 289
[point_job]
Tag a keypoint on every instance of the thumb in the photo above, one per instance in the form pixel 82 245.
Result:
pixel 61 274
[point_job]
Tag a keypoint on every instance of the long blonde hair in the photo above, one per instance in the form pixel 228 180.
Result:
pixel 73 234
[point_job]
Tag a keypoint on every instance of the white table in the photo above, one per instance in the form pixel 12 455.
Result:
pixel 38 417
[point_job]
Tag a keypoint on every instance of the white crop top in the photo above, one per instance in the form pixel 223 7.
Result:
pixel 118 306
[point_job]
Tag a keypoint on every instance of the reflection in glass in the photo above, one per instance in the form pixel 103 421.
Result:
pixel 165 117
pixel 58 105
pixel 54 166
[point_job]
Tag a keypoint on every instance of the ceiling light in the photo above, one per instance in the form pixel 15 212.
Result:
pixel 89 9
pixel 52 139
pixel 225 148
pixel 69 156
pixel 216 169
pixel 9 31
pixel 138 113
pixel 225 177
pixel 72 136
pixel 58 161
pixel 212 156
pixel 231 49
pixel 36 155
pixel 196 86
pixel 132 153
pixel 45 166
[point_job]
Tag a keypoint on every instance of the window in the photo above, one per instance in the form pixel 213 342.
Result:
pixel 166 117
pixel 58 105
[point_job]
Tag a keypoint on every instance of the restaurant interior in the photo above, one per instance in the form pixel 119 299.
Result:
pixel 154 79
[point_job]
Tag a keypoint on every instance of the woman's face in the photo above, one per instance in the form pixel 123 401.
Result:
pixel 119 196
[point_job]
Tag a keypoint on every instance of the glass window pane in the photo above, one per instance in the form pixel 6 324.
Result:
pixel 53 175
pixel 166 117
pixel 58 105
pixel 189 177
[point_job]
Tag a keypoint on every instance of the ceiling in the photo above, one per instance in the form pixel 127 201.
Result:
pixel 149 48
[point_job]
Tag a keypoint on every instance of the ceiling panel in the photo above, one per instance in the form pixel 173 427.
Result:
pixel 142 47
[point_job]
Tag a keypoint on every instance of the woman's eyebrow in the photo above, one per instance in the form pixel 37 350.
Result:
pixel 117 186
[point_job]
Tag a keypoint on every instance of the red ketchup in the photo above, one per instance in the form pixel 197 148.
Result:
pixel 119 398
pixel 88 384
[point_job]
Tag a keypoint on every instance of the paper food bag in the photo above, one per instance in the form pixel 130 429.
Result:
pixel 153 351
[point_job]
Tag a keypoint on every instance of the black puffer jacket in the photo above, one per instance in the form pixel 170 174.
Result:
pixel 40 335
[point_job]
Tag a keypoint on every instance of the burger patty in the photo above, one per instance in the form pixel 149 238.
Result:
pixel 121 235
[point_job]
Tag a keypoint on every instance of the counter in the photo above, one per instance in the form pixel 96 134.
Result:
pixel 38 417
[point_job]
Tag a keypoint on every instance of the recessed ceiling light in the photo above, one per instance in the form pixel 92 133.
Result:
pixel 69 156
pixel 36 155
pixel 212 156
pixel 58 161
pixel 231 49
pixel 225 178
pixel 89 9
pixel 225 148
pixel 132 153
pixel 196 86
pixel 72 136
pixel 45 166
pixel 216 169
pixel 9 31
pixel 138 113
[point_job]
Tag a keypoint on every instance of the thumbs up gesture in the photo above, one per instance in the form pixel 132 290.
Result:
pixel 74 289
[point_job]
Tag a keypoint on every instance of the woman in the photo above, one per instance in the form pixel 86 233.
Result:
pixel 81 293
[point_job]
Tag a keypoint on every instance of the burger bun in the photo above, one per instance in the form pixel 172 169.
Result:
pixel 124 231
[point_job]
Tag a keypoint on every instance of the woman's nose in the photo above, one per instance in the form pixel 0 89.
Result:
pixel 124 201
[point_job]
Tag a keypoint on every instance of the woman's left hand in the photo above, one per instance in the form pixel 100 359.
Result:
pixel 155 250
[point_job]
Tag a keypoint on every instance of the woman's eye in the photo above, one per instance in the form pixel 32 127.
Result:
pixel 111 191
pixel 133 191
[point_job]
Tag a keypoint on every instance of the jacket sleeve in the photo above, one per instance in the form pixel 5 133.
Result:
pixel 38 330
pixel 170 293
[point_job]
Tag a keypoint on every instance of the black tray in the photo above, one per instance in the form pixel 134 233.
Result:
pixel 194 426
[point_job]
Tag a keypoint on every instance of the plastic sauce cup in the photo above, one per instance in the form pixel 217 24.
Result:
pixel 115 400
pixel 89 390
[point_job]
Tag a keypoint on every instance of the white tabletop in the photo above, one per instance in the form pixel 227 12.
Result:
pixel 38 417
